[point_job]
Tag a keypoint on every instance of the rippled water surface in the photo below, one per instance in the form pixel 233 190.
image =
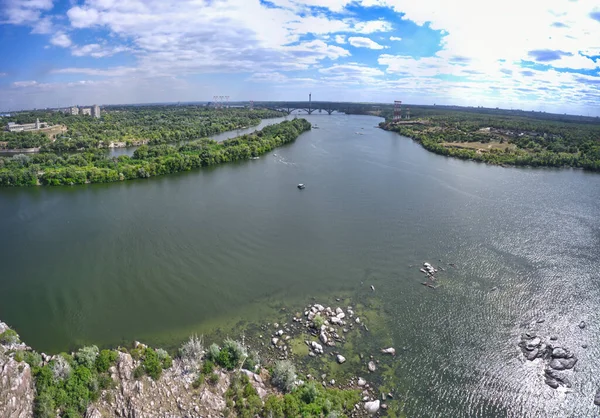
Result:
pixel 109 263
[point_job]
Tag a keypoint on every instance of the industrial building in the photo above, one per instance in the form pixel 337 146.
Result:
pixel 85 111
pixel 14 127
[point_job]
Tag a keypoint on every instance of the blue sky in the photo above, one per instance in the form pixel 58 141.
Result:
pixel 540 55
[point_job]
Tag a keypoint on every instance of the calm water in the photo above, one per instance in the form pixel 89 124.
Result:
pixel 107 263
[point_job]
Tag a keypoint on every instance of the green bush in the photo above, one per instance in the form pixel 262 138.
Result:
pixel 105 360
pixel 208 367
pixel 213 352
pixel 19 356
pixel 33 359
pixel 213 379
pixel 318 321
pixel 139 371
pixel 86 356
pixel 252 361
pixel 232 355
pixel 198 382
pixel 152 364
pixel 273 407
pixel 164 358
pixel 284 375
pixel 9 337
pixel 61 369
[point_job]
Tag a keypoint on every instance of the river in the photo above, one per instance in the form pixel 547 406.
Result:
pixel 161 257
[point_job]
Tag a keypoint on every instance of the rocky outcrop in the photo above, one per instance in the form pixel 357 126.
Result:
pixel 171 395
pixel 16 382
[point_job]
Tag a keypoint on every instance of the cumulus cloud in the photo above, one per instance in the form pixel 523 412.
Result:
pixel 28 83
pixel 395 38
pixel 20 12
pixel 97 50
pixel 61 39
pixel 340 39
pixel 373 26
pixel 361 42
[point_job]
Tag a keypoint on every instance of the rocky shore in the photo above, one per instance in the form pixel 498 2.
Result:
pixel 178 391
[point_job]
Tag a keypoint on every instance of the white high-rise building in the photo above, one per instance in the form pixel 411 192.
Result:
pixel 96 111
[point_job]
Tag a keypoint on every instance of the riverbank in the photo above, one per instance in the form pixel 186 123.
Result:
pixel 234 378
pixel 147 161
pixel 505 143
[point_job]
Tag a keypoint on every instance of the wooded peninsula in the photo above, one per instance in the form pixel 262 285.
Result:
pixel 504 137
pixel 93 165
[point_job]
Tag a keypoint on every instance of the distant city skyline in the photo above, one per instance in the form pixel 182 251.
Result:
pixel 534 55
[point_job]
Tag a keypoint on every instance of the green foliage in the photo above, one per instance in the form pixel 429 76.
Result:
pixel 318 321
pixel 273 407
pixel 152 364
pixel 535 140
pixel 139 371
pixel 94 166
pixel 213 379
pixel 232 355
pixel 213 352
pixel 164 358
pixel 252 361
pixel 86 356
pixel 198 381
pixel 9 337
pixel 284 375
pixel 208 367
pixel 105 360
pixel 33 359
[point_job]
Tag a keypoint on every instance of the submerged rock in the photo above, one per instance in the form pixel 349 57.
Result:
pixel 597 398
pixel 390 350
pixel 559 352
pixel 563 363
pixel 372 367
pixel 340 359
pixel 582 324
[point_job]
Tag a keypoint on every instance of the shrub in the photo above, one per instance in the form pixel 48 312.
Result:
pixel 106 382
pixel 138 372
pixel 33 359
pixel 208 367
pixel 214 378
pixel 318 321
pixel 164 358
pixel 213 352
pixel 232 355
pixel 198 382
pixel 105 360
pixel 308 393
pixel 86 356
pixel 61 369
pixel 273 407
pixel 152 364
pixel 19 356
pixel 44 406
pixel 192 349
pixel 284 375
pixel 9 336
pixel 252 361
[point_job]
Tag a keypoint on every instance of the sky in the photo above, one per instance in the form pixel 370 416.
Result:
pixel 541 55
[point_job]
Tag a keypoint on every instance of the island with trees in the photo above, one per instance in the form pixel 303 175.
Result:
pixel 504 137
pixel 93 165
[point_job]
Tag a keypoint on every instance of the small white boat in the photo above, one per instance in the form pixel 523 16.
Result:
pixel 254 158
pixel 301 186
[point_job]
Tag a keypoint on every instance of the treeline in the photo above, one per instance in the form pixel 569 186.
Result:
pixel 156 124
pixel 19 140
pixel 532 142
pixel 93 166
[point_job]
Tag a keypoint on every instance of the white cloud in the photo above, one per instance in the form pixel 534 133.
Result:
pixel 395 38
pixel 340 39
pixel 28 83
pixel 97 50
pixel 361 42
pixel 109 72
pixel 20 12
pixel 3 74
pixel 61 39
pixel 373 26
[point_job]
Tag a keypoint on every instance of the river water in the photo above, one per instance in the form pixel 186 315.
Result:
pixel 160 257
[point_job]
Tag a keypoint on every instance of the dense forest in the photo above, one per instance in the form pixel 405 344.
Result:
pixel 503 138
pixel 130 125
pixel 94 166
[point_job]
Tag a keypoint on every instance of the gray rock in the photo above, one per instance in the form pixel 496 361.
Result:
pixel 532 355
pixel 582 324
pixel 597 398
pixel 559 352
pixel 552 383
pixel 372 407
pixel 372 367
pixel 323 338
pixel 361 382
pixel 340 359
pixel 390 350
pixel 553 338
pixel 563 363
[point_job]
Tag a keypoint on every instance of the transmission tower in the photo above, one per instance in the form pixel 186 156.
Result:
pixel 407 113
pixel 397 110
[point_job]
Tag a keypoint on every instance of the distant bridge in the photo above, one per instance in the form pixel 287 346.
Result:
pixel 311 107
